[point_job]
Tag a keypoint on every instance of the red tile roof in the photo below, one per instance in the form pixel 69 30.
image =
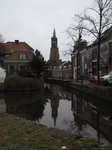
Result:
pixel 17 46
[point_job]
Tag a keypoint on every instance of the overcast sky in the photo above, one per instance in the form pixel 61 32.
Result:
pixel 33 21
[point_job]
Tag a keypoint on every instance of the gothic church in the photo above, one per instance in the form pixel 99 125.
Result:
pixel 54 52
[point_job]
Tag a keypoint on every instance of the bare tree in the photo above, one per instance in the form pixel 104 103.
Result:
pixel 76 44
pixel 95 21
pixel 73 33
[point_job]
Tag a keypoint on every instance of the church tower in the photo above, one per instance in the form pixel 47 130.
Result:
pixel 54 52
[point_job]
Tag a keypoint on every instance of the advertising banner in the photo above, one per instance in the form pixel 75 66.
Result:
pixel 104 54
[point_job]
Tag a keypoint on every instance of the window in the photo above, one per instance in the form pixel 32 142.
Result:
pixel 94 54
pixel 94 64
pixel 110 49
pixel 94 71
pixel 22 67
pixel 22 56
pixel 110 52
pixel 11 69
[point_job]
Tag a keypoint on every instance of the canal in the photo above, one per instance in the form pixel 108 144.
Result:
pixel 62 108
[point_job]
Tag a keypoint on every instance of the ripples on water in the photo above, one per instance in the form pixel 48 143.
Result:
pixel 64 109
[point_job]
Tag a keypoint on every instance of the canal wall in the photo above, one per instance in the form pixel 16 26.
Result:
pixel 102 92
pixel 1 86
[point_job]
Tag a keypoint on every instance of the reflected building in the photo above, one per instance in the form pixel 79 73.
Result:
pixel 79 112
pixel 54 100
pixel 85 113
pixel 61 92
pixel 56 93
pixel 2 103
pixel 29 105
pixel 54 106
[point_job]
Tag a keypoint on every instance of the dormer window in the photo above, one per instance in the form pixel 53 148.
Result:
pixel 22 56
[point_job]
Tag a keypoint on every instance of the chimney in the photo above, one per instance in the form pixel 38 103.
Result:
pixel 16 41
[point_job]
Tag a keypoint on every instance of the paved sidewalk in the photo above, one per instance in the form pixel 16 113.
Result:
pixel 83 82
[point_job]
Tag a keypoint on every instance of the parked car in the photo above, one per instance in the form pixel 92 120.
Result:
pixel 93 79
pixel 107 79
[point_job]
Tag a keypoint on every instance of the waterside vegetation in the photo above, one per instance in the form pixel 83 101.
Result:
pixel 18 83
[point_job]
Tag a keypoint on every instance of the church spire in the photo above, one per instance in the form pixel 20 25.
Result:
pixel 54 33
pixel 54 39
pixel 54 52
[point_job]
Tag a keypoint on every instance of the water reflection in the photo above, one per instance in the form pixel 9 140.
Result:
pixel 2 103
pixel 28 105
pixel 65 109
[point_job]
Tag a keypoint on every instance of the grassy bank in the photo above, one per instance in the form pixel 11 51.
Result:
pixel 20 134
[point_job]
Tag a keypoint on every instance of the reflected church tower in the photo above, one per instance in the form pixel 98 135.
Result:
pixel 54 106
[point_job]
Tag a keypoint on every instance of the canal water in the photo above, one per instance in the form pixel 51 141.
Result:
pixel 62 108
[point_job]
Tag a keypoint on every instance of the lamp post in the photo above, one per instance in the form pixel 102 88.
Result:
pixel 78 57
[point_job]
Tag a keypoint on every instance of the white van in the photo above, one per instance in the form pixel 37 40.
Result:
pixel 2 75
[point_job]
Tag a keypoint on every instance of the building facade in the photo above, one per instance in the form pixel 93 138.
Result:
pixel 63 71
pixel 58 68
pixel 17 57
pixel 18 61
pixel 88 57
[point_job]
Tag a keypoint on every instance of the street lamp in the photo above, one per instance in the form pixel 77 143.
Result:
pixel 78 56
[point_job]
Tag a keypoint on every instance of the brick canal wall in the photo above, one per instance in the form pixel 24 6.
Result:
pixel 102 92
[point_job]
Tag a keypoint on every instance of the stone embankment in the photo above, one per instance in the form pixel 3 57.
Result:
pixel 99 91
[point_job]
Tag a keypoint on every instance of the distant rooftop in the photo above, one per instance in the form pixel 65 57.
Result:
pixel 17 46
